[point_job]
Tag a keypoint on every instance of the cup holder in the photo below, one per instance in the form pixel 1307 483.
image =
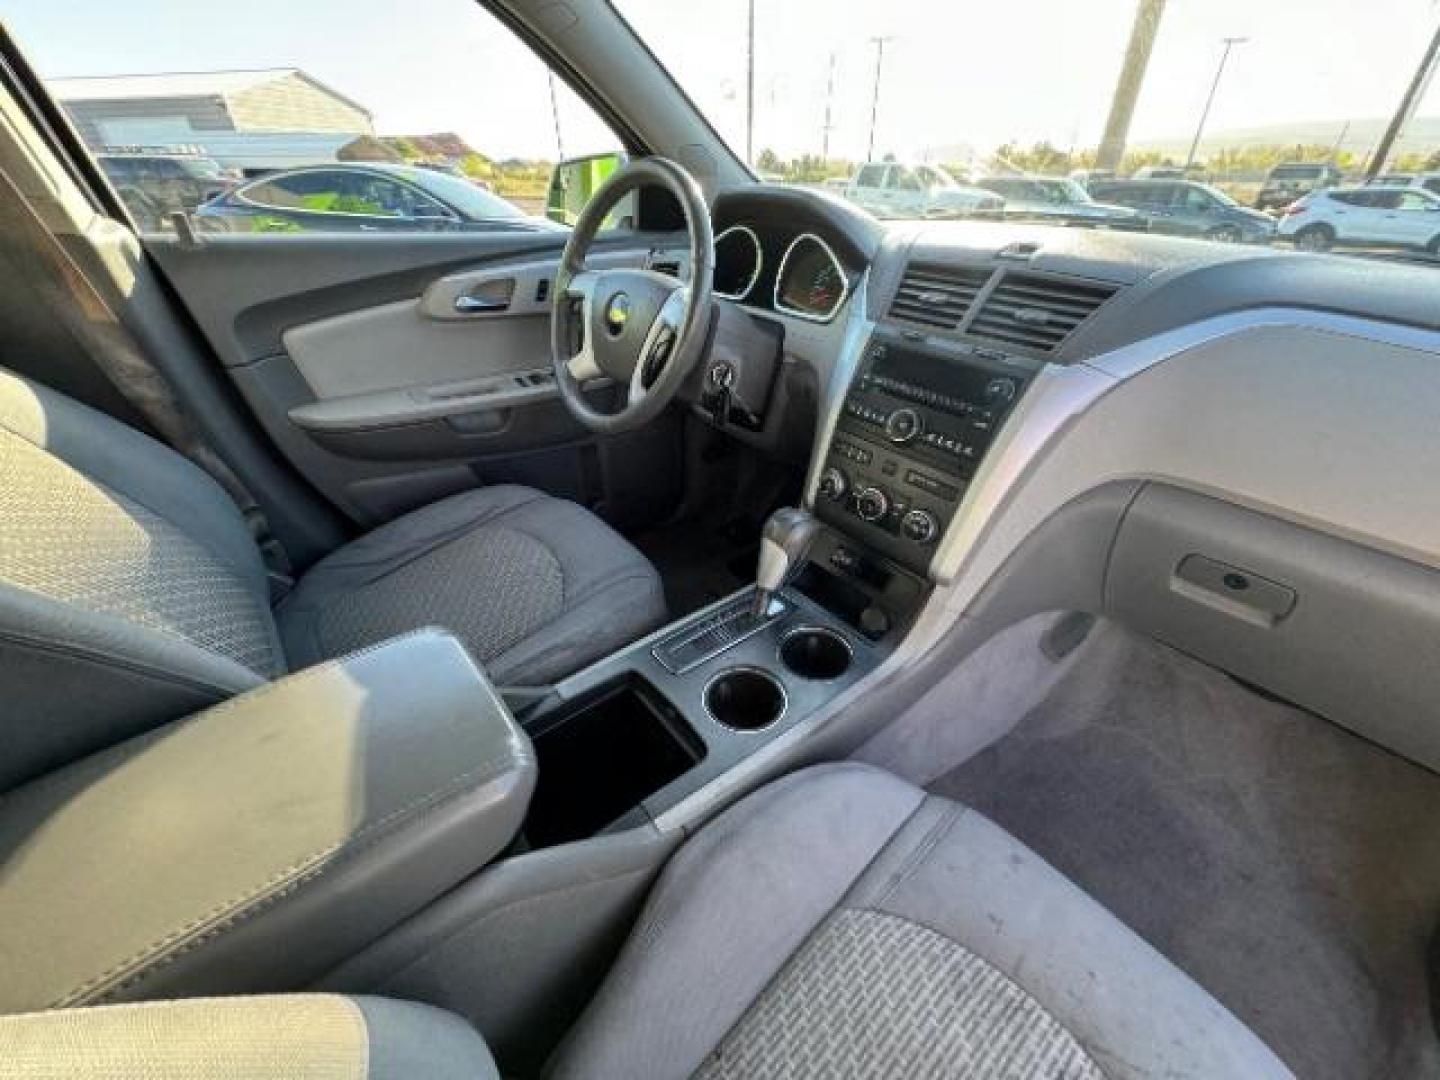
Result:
pixel 813 652
pixel 744 699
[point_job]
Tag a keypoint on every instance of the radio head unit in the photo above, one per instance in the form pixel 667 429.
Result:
pixel 914 427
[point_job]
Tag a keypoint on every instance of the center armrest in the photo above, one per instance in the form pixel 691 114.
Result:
pixel 257 844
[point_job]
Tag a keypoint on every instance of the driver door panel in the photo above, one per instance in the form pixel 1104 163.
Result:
pixel 396 370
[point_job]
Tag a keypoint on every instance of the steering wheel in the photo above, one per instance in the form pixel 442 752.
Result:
pixel 644 329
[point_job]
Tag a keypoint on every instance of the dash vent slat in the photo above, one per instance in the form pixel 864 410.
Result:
pixel 937 296
pixel 1037 312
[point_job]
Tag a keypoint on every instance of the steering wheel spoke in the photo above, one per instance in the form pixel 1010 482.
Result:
pixel 579 292
pixel 659 344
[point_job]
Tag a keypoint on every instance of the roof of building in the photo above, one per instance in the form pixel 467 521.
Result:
pixel 179 84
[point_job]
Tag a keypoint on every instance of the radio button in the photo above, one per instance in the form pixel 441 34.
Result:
pixel 833 484
pixel 872 504
pixel 902 425
pixel 920 526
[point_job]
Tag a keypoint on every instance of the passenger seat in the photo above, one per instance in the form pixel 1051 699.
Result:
pixel 839 922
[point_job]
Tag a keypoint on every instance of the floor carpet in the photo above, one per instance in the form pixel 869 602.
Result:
pixel 1288 866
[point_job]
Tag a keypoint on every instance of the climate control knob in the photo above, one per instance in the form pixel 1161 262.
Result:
pixel 833 484
pixel 902 425
pixel 920 526
pixel 872 504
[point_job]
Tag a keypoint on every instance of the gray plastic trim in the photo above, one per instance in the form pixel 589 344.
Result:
pixel 1055 447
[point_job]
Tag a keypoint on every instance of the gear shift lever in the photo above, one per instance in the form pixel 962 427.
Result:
pixel 784 543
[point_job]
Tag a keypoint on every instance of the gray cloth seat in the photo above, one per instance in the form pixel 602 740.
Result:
pixel 132 593
pixel 535 587
pixel 841 922
pixel 837 923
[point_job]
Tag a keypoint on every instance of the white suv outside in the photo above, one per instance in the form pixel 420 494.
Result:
pixel 1372 216
pixel 894 190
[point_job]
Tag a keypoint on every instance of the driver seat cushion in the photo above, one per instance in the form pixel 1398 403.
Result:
pixel 535 587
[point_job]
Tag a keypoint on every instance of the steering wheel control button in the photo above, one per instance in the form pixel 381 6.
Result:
pixel 920 526
pixel 902 425
pixel 872 505
pixel 833 484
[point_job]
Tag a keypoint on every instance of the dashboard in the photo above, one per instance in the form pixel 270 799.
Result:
pixel 1232 449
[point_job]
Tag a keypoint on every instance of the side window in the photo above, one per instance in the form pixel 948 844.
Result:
pixel 1197 199
pixel 1432 184
pixel 475 116
pixel 870 176
pixel 1413 200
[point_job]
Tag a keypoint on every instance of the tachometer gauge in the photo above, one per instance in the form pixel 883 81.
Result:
pixel 811 284
pixel 738 260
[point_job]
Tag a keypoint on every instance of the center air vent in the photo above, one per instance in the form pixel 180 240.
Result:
pixel 1037 312
pixel 937 296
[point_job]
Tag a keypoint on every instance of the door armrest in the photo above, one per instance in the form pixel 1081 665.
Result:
pixel 259 843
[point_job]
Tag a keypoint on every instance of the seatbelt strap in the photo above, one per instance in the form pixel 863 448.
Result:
pixel 92 322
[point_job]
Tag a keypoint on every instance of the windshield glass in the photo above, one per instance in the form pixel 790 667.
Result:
pixel 935 177
pixel 1187 106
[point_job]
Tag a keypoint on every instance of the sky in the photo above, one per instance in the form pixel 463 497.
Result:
pixel 957 73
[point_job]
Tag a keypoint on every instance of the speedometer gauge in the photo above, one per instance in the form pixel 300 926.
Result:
pixel 811 283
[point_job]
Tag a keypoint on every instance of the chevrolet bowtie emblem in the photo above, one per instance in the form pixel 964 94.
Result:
pixel 618 313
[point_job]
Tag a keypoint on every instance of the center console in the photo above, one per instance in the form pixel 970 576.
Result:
pixel 631 737
pixel 913 429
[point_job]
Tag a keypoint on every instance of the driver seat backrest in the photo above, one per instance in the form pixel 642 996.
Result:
pixel 131 591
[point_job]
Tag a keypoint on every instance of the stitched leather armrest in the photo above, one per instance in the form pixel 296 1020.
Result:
pixel 257 844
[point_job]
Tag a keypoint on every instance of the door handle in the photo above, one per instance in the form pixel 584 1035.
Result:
pixel 479 305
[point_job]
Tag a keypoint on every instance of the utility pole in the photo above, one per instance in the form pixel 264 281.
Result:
pixel 1127 89
pixel 555 112
pixel 1408 104
pixel 750 91
pixel 1230 43
pixel 880 43
pixel 829 99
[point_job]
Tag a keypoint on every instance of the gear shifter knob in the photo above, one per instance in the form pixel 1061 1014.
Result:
pixel 784 543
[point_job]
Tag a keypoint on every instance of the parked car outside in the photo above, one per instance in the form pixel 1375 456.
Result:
pixel 364 198
pixel 1290 180
pixel 1187 208
pixel 153 186
pixel 1059 199
pixel 892 189
pixel 1372 216
pixel 1159 172
pixel 1430 181
pixel 1086 177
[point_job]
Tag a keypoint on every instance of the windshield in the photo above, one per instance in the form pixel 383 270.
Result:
pixel 1212 98
pixel 935 177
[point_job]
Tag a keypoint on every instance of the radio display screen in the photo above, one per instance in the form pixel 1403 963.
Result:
pixel 951 377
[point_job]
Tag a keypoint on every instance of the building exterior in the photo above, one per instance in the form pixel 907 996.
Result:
pixel 256 121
